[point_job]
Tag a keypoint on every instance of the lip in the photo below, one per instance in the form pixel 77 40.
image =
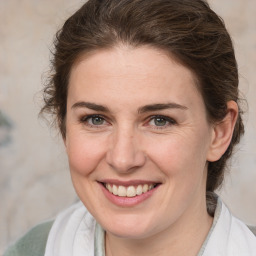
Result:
pixel 127 201
pixel 129 182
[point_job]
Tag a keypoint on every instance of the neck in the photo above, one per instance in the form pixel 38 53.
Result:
pixel 184 238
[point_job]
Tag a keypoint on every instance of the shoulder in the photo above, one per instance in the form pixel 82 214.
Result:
pixel 242 238
pixel 32 243
pixel 253 229
pixel 239 237
pixel 229 235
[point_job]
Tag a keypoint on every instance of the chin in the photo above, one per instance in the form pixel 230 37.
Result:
pixel 129 227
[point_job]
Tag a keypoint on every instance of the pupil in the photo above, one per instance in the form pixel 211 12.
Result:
pixel 97 120
pixel 160 121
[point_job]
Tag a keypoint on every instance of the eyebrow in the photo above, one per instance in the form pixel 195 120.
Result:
pixel 156 107
pixel 90 105
pixel 141 110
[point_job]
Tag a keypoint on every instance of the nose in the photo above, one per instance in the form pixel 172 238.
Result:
pixel 125 153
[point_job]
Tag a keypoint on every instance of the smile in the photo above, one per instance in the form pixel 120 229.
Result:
pixel 128 191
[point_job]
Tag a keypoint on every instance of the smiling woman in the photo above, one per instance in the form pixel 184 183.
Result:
pixel 131 153
pixel 145 94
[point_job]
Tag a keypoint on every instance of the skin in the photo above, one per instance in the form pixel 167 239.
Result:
pixel 128 144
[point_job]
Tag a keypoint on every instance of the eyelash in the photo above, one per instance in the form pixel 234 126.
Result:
pixel 167 119
pixel 85 120
pixel 170 121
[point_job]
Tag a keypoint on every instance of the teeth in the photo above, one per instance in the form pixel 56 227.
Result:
pixel 109 188
pixel 145 188
pixel 139 190
pixel 130 191
pixel 121 191
pixel 115 191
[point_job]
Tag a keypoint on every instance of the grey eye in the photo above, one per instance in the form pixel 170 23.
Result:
pixel 159 121
pixel 97 120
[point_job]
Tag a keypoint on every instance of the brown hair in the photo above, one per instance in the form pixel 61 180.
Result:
pixel 189 30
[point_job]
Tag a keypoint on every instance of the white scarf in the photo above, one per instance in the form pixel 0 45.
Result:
pixel 230 237
pixel 73 234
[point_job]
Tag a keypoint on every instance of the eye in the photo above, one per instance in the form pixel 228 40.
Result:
pixel 94 120
pixel 161 121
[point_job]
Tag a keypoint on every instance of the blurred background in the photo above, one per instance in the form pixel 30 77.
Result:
pixel 34 177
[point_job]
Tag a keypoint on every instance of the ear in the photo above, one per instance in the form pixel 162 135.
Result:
pixel 222 133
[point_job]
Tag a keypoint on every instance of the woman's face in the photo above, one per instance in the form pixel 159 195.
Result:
pixel 137 140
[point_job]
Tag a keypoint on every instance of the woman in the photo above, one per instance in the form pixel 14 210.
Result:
pixel 145 94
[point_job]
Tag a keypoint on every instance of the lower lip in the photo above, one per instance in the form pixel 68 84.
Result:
pixel 127 201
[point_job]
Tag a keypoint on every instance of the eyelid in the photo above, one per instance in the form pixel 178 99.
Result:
pixel 84 120
pixel 168 119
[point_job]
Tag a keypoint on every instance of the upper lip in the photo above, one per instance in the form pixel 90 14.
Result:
pixel 128 182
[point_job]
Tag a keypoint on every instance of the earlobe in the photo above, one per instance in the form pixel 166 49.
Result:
pixel 222 133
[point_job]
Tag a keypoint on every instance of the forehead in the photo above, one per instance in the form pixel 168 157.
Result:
pixel 142 73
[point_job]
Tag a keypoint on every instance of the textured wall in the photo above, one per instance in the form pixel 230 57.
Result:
pixel 34 177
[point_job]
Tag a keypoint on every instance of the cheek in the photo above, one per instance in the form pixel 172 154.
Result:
pixel 179 156
pixel 84 154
